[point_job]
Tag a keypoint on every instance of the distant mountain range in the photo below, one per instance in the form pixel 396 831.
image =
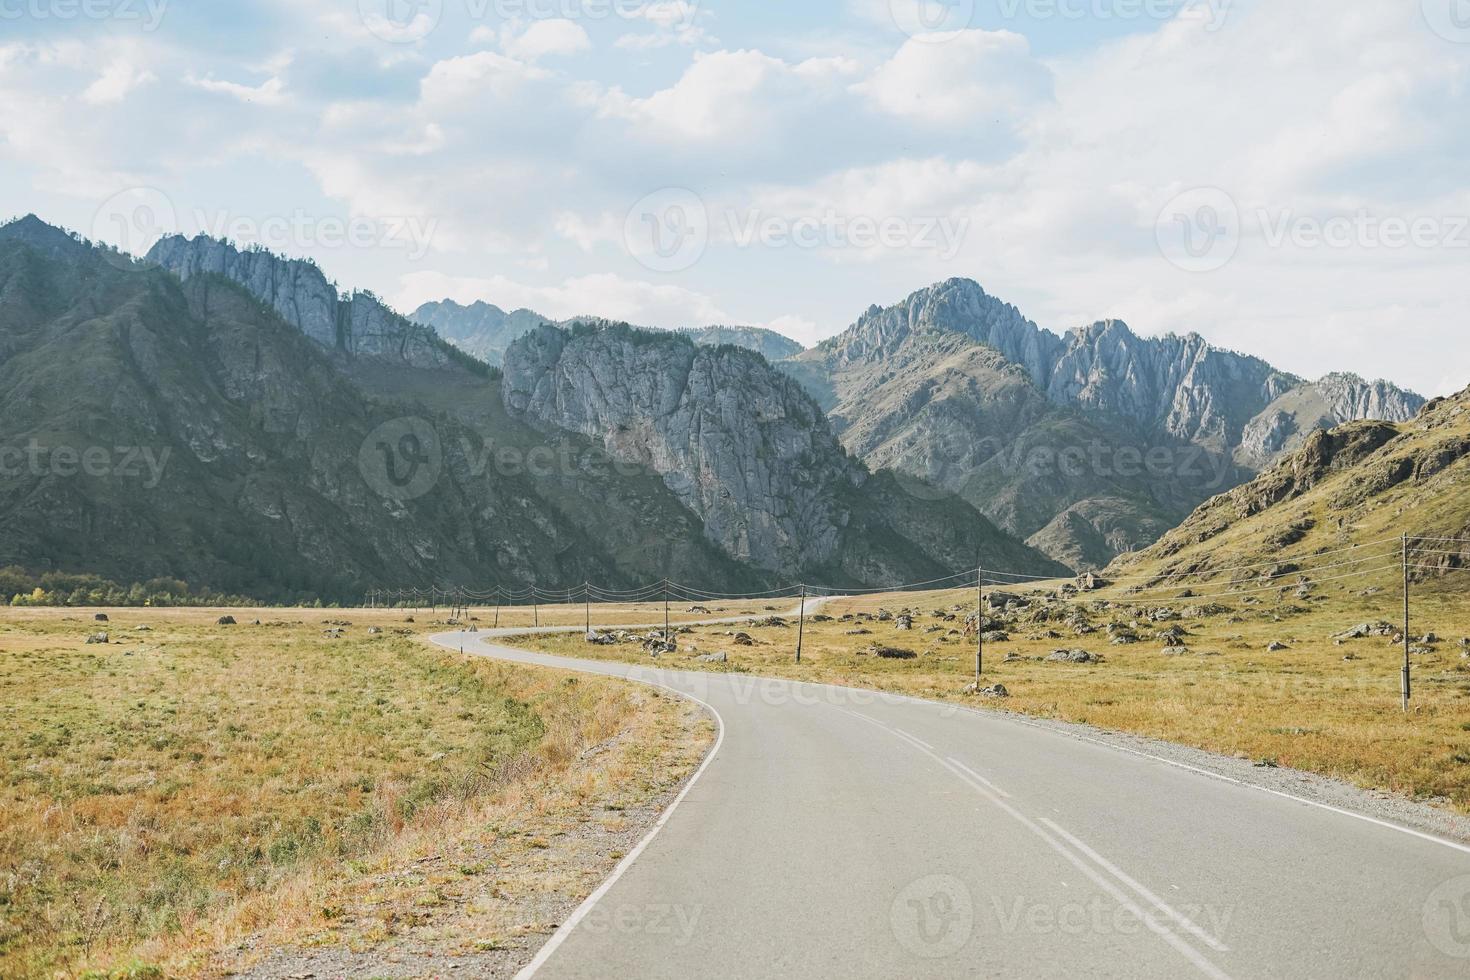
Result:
pixel 313 443
pixel 1088 445
pixel 486 331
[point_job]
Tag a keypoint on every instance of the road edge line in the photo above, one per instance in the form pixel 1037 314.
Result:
pixel 590 902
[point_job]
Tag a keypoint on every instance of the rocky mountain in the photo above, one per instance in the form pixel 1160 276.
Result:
pixel 481 330
pixel 235 424
pixel 352 325
pixel 767 343
pixel 744 448
pixel 1087 445
pixel 1358 486
pixel 1287 422
pixel 485 331
pixel 161 427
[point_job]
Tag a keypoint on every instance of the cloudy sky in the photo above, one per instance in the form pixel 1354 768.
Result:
pixel 1285 177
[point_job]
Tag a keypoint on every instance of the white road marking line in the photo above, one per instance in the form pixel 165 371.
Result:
pixel 1149 921
pixel 987 782
pixel 914 738
pixel 1248 785
pixel 1244 784
pixel 1148 896
pixel 582 911
pixel 1029 723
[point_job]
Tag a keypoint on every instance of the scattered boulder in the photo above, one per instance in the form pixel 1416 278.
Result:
pixel 335 633
pixel 375 631
pixel 100 618
pixel 1365 630
pixel 993 691
pixel 600 639
pixel 225 621
pixel 821 619
pixel 996 636
pixel 1276 646
pixel 98 638
pixel 408 619
pixel 698 610
pixel 715 658
pixel 1176 651
pixel 884 616
pixel 773 621
pixel 1074 657
pixel 743 640
pixel 143 629
pixel 893 653
pixel 860 632
pixel 1173 635
pixel 904 622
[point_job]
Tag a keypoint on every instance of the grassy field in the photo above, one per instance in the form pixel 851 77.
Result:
pixel 1318 705
pixel 189 796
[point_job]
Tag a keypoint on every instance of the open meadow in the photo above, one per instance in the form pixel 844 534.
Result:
pixel 1264 676
pixel 187 797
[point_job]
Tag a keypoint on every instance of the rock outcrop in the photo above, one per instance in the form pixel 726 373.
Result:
pixel 1285 424
pixel 481 330
pixel 746 450
pixel 1089 444
pixel 484 330
pixel 356 325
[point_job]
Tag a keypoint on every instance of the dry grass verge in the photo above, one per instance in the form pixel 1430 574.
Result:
pixel 189 797
pixel 1317 705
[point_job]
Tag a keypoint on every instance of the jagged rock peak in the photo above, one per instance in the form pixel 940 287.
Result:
pixel 355 324
pixel 739 443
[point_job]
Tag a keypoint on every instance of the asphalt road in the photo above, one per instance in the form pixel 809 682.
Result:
pixel 839 833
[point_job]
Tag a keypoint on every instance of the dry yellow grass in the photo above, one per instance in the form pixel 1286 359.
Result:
pixel 187 787
pixel 1308 706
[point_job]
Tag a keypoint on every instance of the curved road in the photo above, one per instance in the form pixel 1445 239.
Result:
pixel 841 833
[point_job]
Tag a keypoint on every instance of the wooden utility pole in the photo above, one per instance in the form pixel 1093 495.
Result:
pixel 801 624
pixel 587 603
pixel 979 626
pixel 535 607
pixel 666 610
pixel 497 607
pixel 1408 691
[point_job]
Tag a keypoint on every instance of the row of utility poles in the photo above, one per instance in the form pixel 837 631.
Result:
pixel 460 597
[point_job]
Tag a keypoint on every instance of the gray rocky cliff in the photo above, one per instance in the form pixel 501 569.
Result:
pixel 1284 425
pixel 356 324
pixel 741 445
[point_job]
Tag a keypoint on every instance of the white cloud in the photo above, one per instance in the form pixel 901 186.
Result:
pixel 733 96
pixel 674 22
pixel 543 38
pixel 117 80
pixel 961 78
pixel 459 82
pixel 271 92
pixel 587 234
